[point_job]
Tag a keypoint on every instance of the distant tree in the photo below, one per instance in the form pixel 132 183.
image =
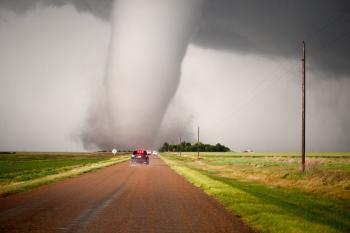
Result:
pixel 221 148
pixel 188 147
pixel 103 151
pixel 165 147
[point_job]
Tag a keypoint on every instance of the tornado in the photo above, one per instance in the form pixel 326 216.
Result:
pixel 148 42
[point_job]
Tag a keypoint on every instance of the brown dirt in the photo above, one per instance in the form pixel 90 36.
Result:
pixel 120 198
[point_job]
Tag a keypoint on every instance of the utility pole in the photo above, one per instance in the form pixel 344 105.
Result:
pixel 198 144
pixel 180 146
pixel 303 112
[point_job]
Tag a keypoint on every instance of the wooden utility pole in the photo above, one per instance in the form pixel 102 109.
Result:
pixel 303 112
pixel 198 144
pixel 180 146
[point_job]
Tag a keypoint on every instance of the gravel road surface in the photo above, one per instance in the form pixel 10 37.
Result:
pixel 120 198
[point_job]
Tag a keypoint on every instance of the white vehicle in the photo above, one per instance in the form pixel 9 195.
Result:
pixel 149 152
pixel 154 152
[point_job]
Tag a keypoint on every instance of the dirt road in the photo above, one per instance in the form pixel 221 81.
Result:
pixel 120 198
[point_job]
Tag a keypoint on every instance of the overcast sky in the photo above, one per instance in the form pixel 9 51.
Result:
pixel 240 74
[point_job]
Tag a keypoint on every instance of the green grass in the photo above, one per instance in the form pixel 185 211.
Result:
pixel 239 182
pixel 24 171
pixel 270 154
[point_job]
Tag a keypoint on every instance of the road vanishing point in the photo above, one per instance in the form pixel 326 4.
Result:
pixel 119 198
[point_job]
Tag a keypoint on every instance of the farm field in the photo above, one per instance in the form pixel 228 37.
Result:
pixel 22 171
pixel 268 191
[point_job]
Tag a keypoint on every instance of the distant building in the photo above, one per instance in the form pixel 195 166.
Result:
pixel 248 151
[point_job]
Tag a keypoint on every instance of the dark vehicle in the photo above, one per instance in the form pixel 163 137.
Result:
pixel 139 156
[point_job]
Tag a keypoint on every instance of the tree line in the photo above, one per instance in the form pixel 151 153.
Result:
pixel 188 147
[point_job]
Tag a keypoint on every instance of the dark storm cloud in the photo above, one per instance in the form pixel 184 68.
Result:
pixel 275 27
pixel 268 27
pixel 99 8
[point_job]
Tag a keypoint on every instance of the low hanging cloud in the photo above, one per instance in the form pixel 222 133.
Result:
pixel 147 47
pixel 271 30
pixel 276 28
pixel 99 8
pixel 270 27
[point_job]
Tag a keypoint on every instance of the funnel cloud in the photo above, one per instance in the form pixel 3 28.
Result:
pixel 148 44
pixel 89 74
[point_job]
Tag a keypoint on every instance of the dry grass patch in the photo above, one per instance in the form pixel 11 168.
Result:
pixel 324 176
pixel 270 193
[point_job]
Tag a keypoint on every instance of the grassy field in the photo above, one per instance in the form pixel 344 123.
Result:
pixel 268 191
pixel 24 171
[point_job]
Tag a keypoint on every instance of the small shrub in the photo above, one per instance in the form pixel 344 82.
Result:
pixel 313 166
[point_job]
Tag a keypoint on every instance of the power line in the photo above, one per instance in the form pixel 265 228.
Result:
pixel 198 144
pixel 261 87
pixel 303 110
pixel 244 105
pixel 310 36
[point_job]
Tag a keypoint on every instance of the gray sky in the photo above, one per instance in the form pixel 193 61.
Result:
pixel 240 76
